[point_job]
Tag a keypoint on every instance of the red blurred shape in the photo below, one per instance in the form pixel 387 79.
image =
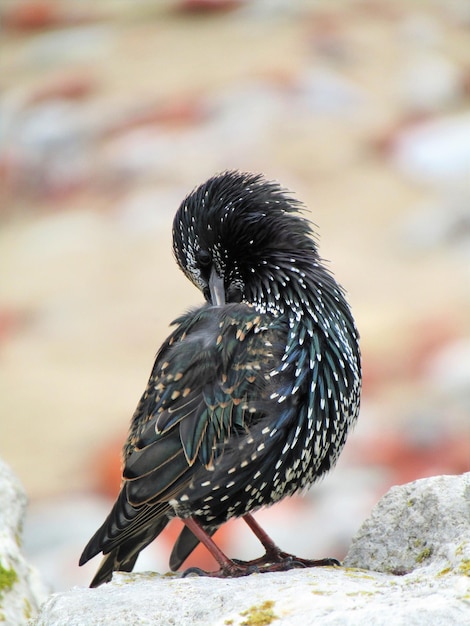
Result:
pixel 384 142
pixel 70 87
pixel 425 339
pixel 11 321
pixel 410 456
pixel 107 468
pixel 177 113
pixel 31 15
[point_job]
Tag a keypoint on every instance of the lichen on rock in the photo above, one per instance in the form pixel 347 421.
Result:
pixel 21 589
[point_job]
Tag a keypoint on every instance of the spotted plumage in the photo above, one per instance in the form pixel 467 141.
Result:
pixel 252 395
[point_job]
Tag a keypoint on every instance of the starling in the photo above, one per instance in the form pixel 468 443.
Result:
pixel 252 395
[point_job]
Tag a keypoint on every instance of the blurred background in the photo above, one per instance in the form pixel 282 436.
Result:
pixel 110 113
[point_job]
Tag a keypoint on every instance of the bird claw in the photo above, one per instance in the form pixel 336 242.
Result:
pixel 299 562
pixel 292 562
pixel 194 571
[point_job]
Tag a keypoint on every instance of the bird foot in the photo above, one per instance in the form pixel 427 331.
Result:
pixel 278 562
pixel 282 561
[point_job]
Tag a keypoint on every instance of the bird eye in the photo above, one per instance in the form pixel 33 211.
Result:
pixel 203 258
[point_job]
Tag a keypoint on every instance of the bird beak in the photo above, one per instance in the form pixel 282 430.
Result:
pixel 217 289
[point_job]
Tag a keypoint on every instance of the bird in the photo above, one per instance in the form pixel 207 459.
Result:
pixel 252 395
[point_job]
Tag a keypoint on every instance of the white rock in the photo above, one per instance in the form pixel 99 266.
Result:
pixel 21 590
pixel 298 597
pixel 425 523
pixel 422 528
pixel 322 91
pixel 437 151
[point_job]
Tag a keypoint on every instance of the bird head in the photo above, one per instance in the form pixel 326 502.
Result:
pixel 237 233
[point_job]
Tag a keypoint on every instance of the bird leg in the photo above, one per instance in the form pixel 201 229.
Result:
pixel 228 568
pixel 275 559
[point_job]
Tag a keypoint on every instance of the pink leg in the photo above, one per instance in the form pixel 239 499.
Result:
pixel 273 561
pixel 275 556
pixel 228 569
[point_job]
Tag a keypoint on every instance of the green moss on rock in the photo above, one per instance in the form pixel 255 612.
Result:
pixel 423 555
pixel 8 577
pixel 261 615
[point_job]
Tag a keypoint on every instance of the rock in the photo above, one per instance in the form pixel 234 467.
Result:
pixel 449 369
pixel 324 92
pixel 21 590
pixel 423 524
pixel 436 151
pixel 421 528
pixel 332 596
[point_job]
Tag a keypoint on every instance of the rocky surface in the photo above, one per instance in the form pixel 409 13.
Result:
pixel 21 590
pixel 425 523
pixel 299 597
pixel 421 531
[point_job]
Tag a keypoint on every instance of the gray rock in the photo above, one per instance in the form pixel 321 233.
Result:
pixel 333 596
pixel 428 518
pixel 21 590
pixel 425 523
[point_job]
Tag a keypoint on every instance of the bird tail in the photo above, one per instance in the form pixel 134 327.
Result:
pixel 112 562
pixel 125 532
pixel 122 557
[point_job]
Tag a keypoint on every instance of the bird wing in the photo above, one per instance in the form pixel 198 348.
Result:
pixel 204 388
